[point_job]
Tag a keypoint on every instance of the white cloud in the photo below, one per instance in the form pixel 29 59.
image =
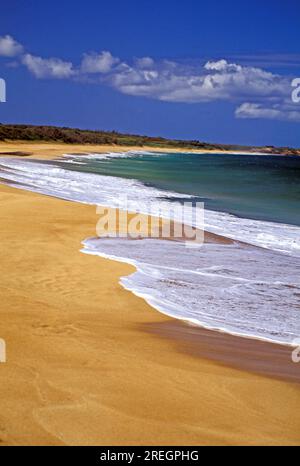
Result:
pixel 277 112
pixel 267 95
pixel 98 63
pixel 48 67
pixel 214 81
pixel 258 93
pixel 222 65
pixel 145 62
pixel 9 47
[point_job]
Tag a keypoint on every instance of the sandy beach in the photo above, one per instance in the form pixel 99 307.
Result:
pixel 89 363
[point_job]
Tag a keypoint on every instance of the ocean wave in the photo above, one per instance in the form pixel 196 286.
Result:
pixel 235 289
pixel 133 195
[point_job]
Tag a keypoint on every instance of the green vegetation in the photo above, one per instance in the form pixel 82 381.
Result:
pixel 80 136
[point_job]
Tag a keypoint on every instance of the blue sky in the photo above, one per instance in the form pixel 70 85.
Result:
pixel 218 71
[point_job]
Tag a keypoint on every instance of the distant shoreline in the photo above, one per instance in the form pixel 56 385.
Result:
pixel 11 133
pixel 51 150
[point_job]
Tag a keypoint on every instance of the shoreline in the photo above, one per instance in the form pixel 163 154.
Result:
pixel 50 150
pixel 209 238
pixel 91 363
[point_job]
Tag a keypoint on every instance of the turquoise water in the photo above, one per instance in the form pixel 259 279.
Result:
pixel 250 186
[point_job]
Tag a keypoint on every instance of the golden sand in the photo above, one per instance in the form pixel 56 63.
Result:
pixel 86 363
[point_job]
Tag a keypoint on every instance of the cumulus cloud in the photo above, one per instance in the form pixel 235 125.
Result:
pixel 257 93
pixel 98 63
pixel 48 67
pixel 267 95
pixel 9 47
pixel 222 65
pixel 277 112
pixel 218 80
pixel 145 62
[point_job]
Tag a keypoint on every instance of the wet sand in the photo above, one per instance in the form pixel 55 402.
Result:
pixel 260 357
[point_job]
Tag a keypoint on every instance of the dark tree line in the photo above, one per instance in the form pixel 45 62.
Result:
pixel 80 136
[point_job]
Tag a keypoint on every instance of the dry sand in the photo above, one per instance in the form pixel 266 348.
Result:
pixel 90 363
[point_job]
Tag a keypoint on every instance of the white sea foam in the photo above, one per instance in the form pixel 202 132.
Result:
pixel 122 193
pixel 251 292
pixel 106 155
